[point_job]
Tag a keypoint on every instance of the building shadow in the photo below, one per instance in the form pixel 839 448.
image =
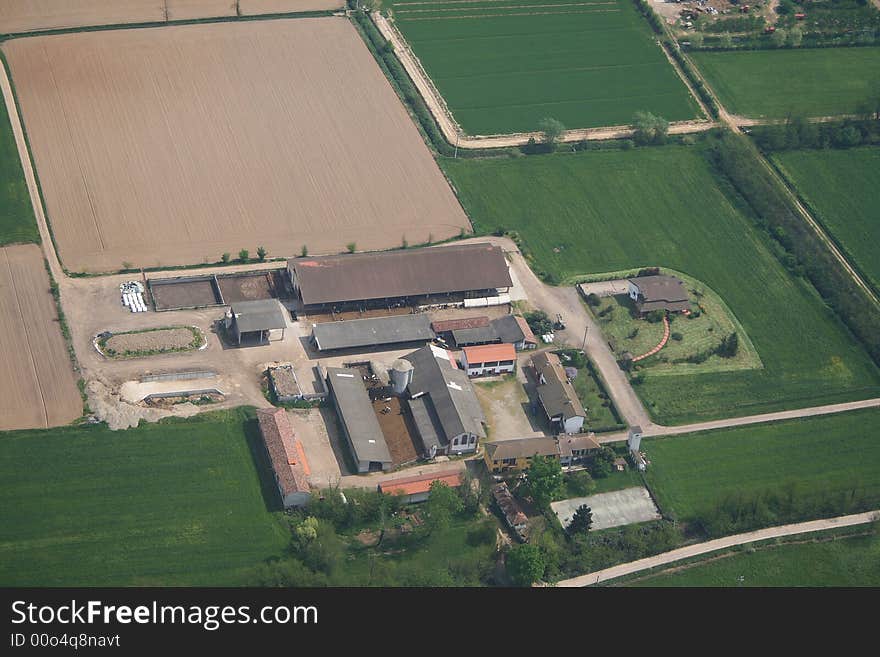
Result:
pixel 268 487
pixel 334 432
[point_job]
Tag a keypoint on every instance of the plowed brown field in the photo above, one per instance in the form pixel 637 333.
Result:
pixel 37 383
pixel 33 15
pixel 174 145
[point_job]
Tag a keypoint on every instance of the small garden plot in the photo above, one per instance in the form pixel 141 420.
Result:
pixel 151 342
pixel 694 339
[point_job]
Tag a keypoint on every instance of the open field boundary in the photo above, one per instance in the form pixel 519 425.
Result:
pixel 452 132
pixel 717 544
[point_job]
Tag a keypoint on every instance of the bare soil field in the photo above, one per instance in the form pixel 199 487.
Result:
pixel 184 294
pixel 34 15
pixel 37 382
pixel 173 145
pixel 250 287
pixel 398 430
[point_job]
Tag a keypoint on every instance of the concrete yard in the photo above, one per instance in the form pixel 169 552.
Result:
pixel 619 507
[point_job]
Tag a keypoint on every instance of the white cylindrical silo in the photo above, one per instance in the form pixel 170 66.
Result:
pixel 401 375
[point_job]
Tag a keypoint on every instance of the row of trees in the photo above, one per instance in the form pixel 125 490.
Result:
pixel 804 252
pixel 244 255
pixel 797 132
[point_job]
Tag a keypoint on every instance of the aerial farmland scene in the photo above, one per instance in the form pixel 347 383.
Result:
pixel 440 293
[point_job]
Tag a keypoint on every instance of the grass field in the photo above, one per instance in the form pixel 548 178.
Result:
pixel 594 212
pixel 776 83
pixel 175 503
pixel 17 222
pixel 689 474
pixel 851 561
pixel 843 188
pixel 502 67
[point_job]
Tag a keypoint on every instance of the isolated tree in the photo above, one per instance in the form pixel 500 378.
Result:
pixel 261 253
pixel 351 246
pixel 404 243
pixel 544 480
pixel 649 128
pixel 307 530
pixel 602 462
pixel 304 251
pixel 729 346
pixel 225 258
pixel 443 503
pixel 551 130
pixel 525 564
pixel 779 37
pixel 244 255
pixel 581 521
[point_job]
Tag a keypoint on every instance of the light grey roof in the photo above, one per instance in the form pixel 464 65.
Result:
pixel 427 422
pixel 403 273
pixel 261 315
pixel 373 332
pixel 508 329
pixel 557 395
pixel 452 393
pixel 479 335
pixel 356 412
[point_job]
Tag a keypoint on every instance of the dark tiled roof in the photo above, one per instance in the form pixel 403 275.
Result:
pixel 521 448
pixel 479 335
pixel 661 293
pixel 261 315
pixel 404 273
pixel 452 394
pixel 557 395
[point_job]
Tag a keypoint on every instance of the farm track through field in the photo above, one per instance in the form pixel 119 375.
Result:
pixel 718 544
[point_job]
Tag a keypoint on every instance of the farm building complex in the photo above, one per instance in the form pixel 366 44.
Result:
pixel 408 277
pixel 286 455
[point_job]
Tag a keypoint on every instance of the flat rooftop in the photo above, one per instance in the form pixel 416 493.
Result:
pixel 372 332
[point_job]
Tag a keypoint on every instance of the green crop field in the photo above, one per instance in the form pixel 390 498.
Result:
pixel 776 83
pixel 843 188
pixel 17 222
pixel 851 561
pixel 176 503
pixel 593 212
pixel 829 454
pixel 502 67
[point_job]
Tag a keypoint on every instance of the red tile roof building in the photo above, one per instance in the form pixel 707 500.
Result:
pixel 287 456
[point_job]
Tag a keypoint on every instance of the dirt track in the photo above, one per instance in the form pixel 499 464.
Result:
pixel 37 382
pixel 32 15
pixel 151 162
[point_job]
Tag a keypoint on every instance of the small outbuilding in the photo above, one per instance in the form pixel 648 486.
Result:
pixel 557 396
pixel 489 359
pixel 282 380
pixel 418 488
pixel 515 330
pixel 255 322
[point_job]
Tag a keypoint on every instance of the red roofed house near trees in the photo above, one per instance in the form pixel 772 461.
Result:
pixel 417 488
pixel 287 456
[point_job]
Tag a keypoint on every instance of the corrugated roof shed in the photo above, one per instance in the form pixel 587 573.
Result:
pixel 373 332
pixel 513 329
pixel 404 273
pixel 557 395
pixel 478 335
pixel 285 451
pixel 427 423
pixel 261 315
pixel 354 407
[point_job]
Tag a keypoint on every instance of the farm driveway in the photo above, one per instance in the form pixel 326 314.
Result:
pixel 314 435
pixel 605 288
pixel 718 544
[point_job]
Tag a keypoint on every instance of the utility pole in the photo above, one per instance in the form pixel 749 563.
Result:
pixel 584 347
pixel 457 135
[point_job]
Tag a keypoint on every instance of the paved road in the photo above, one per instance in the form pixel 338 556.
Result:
pixel 718 544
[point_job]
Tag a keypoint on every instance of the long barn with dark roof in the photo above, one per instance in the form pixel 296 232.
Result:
pixel 447 274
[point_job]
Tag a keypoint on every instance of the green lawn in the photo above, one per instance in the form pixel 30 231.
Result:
pixel 176 503
pixel 17 222
pixel 700 332
pixel 502 67
pixel 853 561
pixel 776 83
pixel 602 211
pixel 829 454
pixel 843 188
